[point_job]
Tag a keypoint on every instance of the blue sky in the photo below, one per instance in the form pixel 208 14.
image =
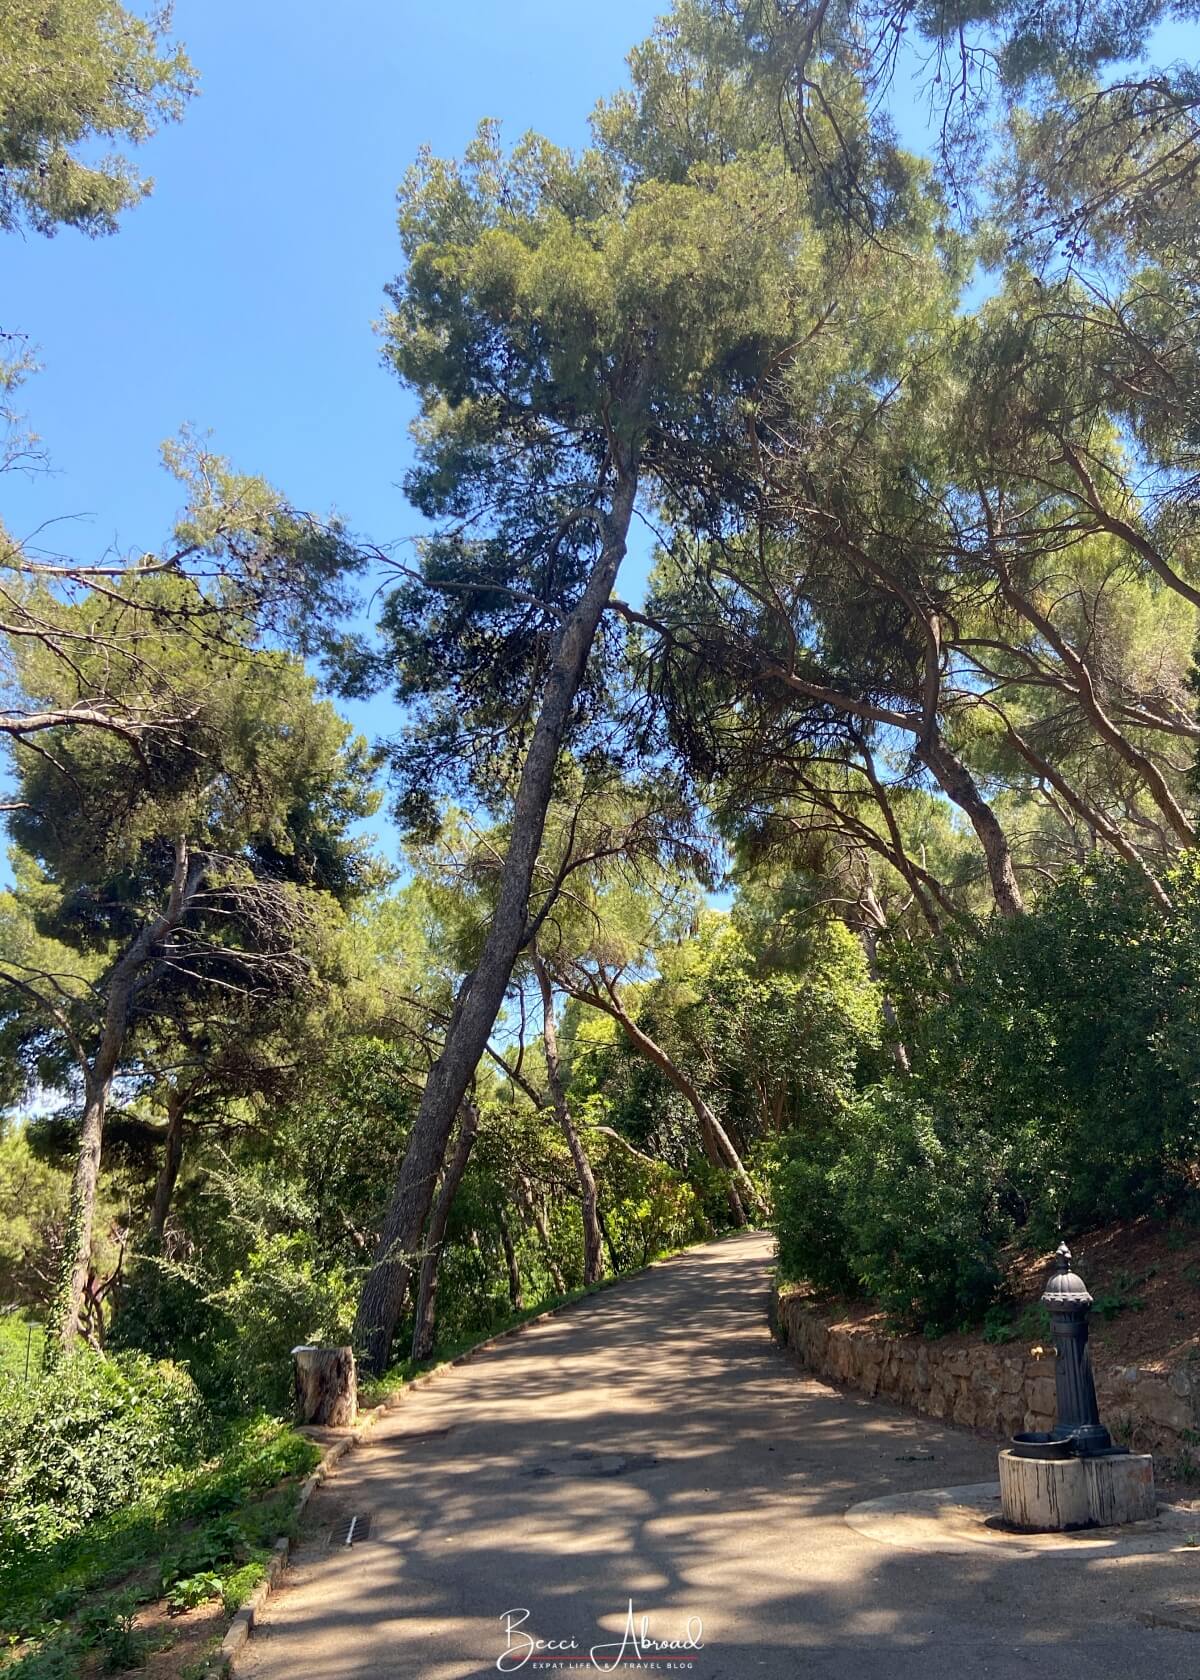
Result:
pixel 240 297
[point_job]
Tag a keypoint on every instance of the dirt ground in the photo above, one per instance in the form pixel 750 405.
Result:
pixel 1144 1276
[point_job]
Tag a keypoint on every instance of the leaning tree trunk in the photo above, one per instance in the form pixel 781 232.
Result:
pixel 593 1253
pixel 958 784
pixel 325 1386
pixel 168 1173
pixel 435 1236
pixel 718 1145
pixel 482 993
pixel 70 1297
pixel 515 1298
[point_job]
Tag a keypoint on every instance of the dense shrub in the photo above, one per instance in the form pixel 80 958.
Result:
pixel 87 1437
pixel 647 1207
pixel 899 1206
pixel 920 1207
pixel 1075 1034
pixel 236 1335
pixel 1055 1064
pixel 810 1219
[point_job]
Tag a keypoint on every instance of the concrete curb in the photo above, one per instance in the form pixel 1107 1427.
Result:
pixel 241 1627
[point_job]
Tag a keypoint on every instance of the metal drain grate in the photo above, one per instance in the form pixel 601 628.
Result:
pixel 358 1528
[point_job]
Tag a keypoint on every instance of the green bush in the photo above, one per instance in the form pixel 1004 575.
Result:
pixel 920 1210
pixel 1055 1061
pixel 216 1513
pixel 87 1437
pixel 1074 1033
pixel 810 1221
pixel 894 1204
pixel 236 1335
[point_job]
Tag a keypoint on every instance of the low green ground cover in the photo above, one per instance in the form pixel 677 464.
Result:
pixel 190 1534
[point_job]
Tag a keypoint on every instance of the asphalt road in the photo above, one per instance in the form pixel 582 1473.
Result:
pixel 653 1447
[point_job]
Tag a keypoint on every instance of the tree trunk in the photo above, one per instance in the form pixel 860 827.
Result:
pixel 608 1242
pixel 956 781
pixel 482 993
pixel 168 1173
pixel 716 1140
pixel 325 1386
pixel 510 1261
pixel 593 1254
pixel 537 1217
pixel 435 1236
pixel 67 1311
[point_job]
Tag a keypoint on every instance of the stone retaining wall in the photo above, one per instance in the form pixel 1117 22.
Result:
pixel 996 1388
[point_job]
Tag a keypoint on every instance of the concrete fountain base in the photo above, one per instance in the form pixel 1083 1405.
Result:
pixel 1049 1495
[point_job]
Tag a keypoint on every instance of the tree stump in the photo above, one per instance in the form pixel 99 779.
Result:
pixel 325 1385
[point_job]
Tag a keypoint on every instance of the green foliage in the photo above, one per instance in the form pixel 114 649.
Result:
pixel 88 1436
pixel 810 1228
pixel 1073 1034
pixel 919 1201
pixel 21 1340
pixel 1121 1295
pixel 109 1624
pixel 72 74
pixel 192 1590
pixel 223 1558
pixel 1002 1324
pixel 648 1208
pixel 44 1584
pixel 58 1658
pixel 1052 1088
pixel 34 1195
pixel 902 1205
pixel 236 1331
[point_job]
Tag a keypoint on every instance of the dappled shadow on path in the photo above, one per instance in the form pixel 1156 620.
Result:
pixel 652 1444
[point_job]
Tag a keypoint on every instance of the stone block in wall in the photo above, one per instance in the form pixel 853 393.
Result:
pixel 1041 1396
pixel 1180 1382
pixel 1012 1377
pixel 1153 1399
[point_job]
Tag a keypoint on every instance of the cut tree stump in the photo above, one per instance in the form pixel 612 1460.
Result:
pixel 325 1385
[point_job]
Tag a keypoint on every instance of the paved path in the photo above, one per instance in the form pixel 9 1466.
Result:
pixel 653 1444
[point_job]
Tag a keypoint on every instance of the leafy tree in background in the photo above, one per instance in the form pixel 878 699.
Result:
pixel 35 1196
pixel 209 863
pixel 73 74
pixel 241 566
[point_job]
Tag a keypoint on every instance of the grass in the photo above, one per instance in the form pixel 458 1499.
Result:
pixel 202 1533
pixel 21 1342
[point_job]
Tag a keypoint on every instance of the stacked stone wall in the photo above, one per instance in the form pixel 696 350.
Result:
pixel 995 1388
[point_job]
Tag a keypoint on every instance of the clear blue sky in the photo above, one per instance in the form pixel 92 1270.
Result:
pixel 240 296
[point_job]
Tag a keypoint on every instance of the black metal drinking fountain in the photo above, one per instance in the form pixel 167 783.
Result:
pixel 1077 1430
